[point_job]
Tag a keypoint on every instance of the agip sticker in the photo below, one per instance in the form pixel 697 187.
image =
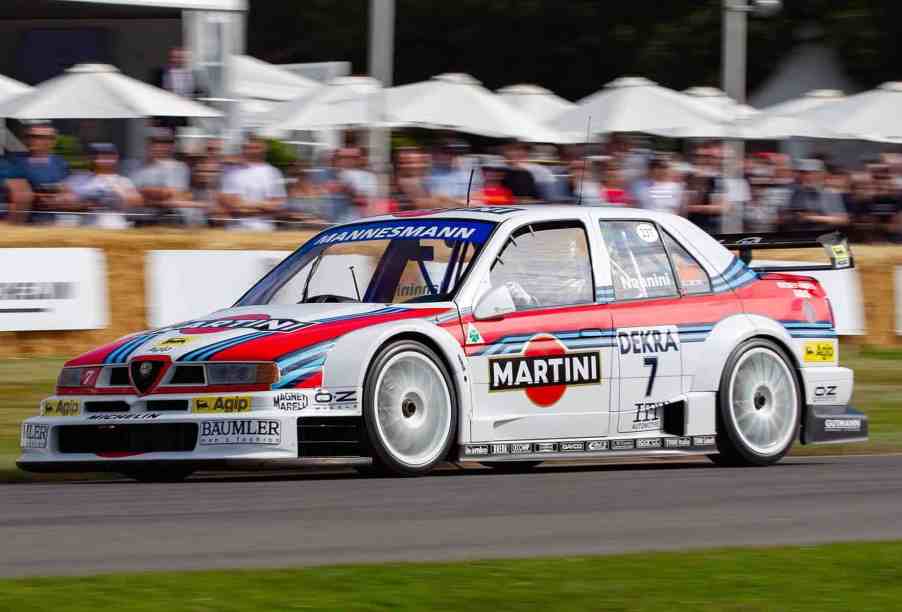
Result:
pixel 820 351
pixel 61 407
pixel 221 405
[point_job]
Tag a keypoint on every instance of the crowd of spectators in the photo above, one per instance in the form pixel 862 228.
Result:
pixel 243 191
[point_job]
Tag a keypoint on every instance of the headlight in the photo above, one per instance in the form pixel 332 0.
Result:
pixel 242 373
pixel 78 377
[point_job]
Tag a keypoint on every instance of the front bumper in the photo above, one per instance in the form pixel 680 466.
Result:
pixel 272 427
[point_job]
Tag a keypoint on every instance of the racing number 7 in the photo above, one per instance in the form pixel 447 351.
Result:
pixel 651 362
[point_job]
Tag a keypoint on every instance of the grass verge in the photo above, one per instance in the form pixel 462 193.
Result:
pixel 835 577
pixel 878 392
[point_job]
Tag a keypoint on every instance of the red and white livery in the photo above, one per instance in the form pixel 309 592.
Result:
pixel 503 336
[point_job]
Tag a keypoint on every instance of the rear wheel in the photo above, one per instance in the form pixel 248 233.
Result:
pixel 759 406
pixel 409 409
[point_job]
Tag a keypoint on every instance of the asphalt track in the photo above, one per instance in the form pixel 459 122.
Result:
pixel 302 519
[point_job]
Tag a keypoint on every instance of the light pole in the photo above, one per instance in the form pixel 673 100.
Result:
pixel 735 38
pixel 382 60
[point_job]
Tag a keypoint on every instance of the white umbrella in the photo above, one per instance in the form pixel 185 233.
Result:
pixel 10 88
pixel 459 102
pixel 810 100
pixel 252 78
pixel 539 103
pixel 343 102
pixel 714 99
pixel 98 91
pixel 873 115
pixel 635 104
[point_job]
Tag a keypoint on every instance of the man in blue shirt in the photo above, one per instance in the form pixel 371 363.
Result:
pixel 46 174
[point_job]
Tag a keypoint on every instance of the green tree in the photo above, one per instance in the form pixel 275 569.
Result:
pixel 574 47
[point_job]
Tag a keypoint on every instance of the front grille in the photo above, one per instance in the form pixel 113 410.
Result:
pixel 330 437
pixel 167 405
pixel 119 377
pixel 145 373
pixel 188 375
pixel 130 438
pixel 108 406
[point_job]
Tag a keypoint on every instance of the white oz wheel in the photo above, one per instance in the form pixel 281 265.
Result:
pixel 413 409
pixel 763 403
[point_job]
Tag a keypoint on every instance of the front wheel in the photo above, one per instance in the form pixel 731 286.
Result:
pixel 759 406
pixel 409 409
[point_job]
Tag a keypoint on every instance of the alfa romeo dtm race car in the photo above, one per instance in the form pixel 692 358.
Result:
pixel 502 336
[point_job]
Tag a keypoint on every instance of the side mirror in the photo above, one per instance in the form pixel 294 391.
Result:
pixel 494 304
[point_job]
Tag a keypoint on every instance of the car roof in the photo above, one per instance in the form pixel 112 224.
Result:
pixel 525 212
pixel 713 256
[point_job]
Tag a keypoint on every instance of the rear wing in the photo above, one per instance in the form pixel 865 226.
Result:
pixel 834 244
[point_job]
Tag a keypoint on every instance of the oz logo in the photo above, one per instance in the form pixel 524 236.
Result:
pixel 544 370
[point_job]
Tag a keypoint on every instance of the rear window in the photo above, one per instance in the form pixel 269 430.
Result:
pixel 640 268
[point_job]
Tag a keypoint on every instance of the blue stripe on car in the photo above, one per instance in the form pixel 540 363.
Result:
pixel 206 352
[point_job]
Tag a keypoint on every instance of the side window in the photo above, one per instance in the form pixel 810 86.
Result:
pixel 639 264
pixel 691 275
pixel 546 265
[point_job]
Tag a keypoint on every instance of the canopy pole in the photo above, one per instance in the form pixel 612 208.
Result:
pixel 382 59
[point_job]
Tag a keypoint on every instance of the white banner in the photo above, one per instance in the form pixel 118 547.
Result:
pixel 52 289
pixel 183 285
pixel 843 287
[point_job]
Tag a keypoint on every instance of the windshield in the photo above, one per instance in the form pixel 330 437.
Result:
pixel 386 262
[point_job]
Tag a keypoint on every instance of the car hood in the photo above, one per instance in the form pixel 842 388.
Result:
pixel 258 333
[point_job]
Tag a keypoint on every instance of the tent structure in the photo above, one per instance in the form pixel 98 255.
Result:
pixel 539 103
pixel 342 103
pixel 99 91
pixel 636 104
pixel 458 102
pixel 811 100
pixel 873 115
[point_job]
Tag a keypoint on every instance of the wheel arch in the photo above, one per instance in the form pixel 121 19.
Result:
pixel 348 363
pixel 730 333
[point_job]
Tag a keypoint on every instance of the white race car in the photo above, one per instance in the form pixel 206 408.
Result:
pixel 503 336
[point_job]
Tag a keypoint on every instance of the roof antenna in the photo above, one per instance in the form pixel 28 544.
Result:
pixel 470 185
pixel 356 287
pixel 582 176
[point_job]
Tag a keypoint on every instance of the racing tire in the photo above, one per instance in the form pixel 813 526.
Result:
pixel 512 467
pixel 758 406
pixel 409 410
pixel 157 474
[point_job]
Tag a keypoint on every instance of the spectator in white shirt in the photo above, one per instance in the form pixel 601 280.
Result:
pixel 164 182
pixel 104 192
pixel 252 194
pixel 662 193
pixel 362 184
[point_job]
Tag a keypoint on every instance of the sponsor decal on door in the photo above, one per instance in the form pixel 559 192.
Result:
pixel 544 370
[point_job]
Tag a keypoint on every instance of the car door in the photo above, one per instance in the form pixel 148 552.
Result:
pixel 542 371
pixel 647 338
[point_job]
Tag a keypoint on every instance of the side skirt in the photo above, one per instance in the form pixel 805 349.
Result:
pixel 586 449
